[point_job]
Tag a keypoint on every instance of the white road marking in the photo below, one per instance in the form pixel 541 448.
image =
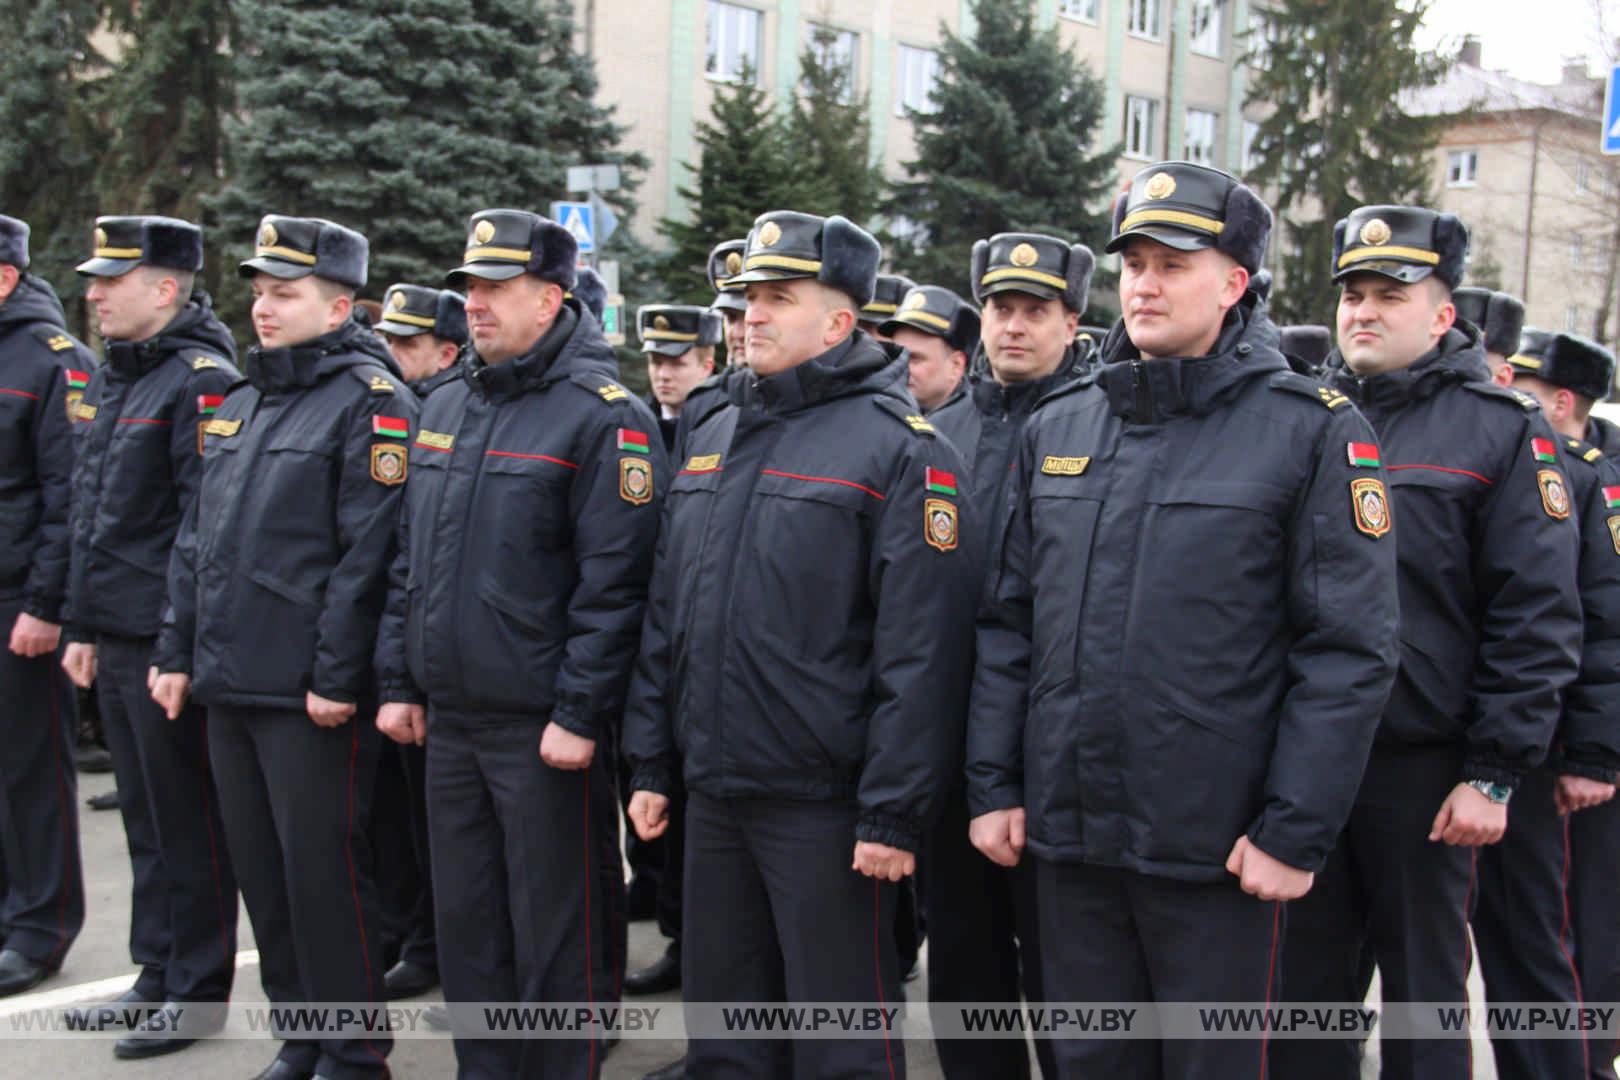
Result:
pixel 99 990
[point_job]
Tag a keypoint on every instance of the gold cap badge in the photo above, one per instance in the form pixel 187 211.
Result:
pixel 396 302
pixel 914 301
pixel 1024 255
pixel 483 232
pixel 733 262
pixel 101 237
pixel 769 234
pixel 1375 232
pixel 660 323
pixel 268 235
pixel 1160 186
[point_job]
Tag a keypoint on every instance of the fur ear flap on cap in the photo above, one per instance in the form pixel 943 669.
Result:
pixel 1121 201
pixel 1081 263
pixel 590 290
pixel 977 264
pixel 558 253
pixel 964 332
pixel 14 242
pixel 342 254
pixel 1248 228
pixel 450 317
pixel 1504 323
pixel 1451 244
pixel 174 244
pixel 1339 228
pixel 849 259
pixel 1260 284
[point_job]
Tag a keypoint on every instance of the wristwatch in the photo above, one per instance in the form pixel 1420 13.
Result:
pixel 1497 793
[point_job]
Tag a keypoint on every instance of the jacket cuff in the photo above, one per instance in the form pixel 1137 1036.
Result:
pixel 1275 841
pixel 895 832
pixel 1588 766
pixel 342 697
pixel 400 693
pixel 1496 772
pixel 987 800
pixel 573 718
pixel 657 777
pixel 44 610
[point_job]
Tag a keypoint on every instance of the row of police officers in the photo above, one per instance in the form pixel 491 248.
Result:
pixel 1177 663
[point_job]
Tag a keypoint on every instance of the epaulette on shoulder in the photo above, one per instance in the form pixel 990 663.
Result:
pixel 54 339
pixel 204 362
pixel 1580 448
pixel 906 413
pixel 600 386
pixel 1504 393
pixel 1305 386
pixel 377 379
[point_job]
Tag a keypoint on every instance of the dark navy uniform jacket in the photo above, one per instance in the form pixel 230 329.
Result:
pixel 1588 741
pixel 423 387
pixel 1604 434
pixel 527 538
pixel 1190 629
pixel 1490 619
pixel 810 626
pixel 139 430
pixel 42 372
pixel 280 569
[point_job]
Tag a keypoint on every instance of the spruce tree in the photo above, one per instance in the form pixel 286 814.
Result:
pixel 742 170
pixel 402 117
pixel 1337 137
pixel 828 125
pixel 49 138
pixel 166 100
pixel 1014 143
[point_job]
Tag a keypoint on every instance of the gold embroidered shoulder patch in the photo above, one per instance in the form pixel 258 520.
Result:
pixel 204 363
pixel 939 524
pixel 612 393
pixel 1554 495
pixel 1370 505
pixel 223 428
pixel 60 343
pixel 635 480
pixel 388 463
pixel 1065 466
pixel 380 385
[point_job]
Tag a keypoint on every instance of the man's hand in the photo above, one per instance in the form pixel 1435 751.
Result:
pixel 33 637
pixel 326 712
pixel 562 749
pixel 649 813
pixel 999 835
pixel 1469 819
pixel 1265 877
pixel 405 724
pixel 883 862
pixel 79 661
pixel 1578 793
pixel 170 690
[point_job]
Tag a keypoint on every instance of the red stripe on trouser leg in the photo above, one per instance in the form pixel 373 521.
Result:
pixel 877 965
pixel 1563 943
pixel 1271 972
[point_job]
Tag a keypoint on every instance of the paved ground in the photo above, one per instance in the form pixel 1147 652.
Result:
pixel 99 965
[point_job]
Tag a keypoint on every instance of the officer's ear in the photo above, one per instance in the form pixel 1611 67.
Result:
pixel 958 360
pixel 1071 325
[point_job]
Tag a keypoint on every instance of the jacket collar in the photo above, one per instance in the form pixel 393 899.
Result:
pixel 1458 357
pixel 858 364
pixel 276 371
pixel 1150 391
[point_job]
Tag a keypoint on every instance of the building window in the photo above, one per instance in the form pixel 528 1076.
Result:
pixel 1207 25
pixel 1144 20
pixel 1141 123
pixel 733 47
pixel 1575 253
pixel 1198 136
pixel 918 69
pixel 1574 319
pixel 1084 10
pixel 1462 168
pixel 1251 146
pixel 835 48
pixel 1257 40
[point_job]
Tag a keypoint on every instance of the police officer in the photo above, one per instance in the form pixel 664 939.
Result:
pixel 725 263
pixel 275 588
pixel 679 342
pixel 805 654
pixel 938 329
pixel 887 292
pixel 525 548
pixel 1306 346
pixel 1546 879
pixel 1490 634
pixel 45 371
pixel 425 329
pixel 982 916
pixel 1179 748
pixel 169 364
pixel 1500 320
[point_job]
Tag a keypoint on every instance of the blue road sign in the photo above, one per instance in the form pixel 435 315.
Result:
pixel 579 219
pixel 1611 114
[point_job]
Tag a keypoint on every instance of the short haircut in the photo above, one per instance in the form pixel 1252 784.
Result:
pixel 331 290
pixel 185 281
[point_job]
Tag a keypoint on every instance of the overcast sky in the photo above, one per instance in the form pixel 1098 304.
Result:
pixel 1529 38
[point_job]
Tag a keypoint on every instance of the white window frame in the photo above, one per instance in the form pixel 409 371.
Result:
pixel 914 63
pixel 1079 10
pixel 1211 122
pixel 1257 40
pixel 1208 39
pixel 846 46
pixel 1137 28
pixel 1462 168
pixel 722 62
pixel 1135 106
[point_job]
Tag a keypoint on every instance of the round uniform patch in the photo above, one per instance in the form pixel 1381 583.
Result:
pixel 483 232
pixel 769 234
pixel 1024 255
pixel 733 263
pixel 1554 496
pixel 635 480
pixel 1371 506
pixel 268 235
pixel 388 464
pixel 939 524
pixel 1160 186
pixel 396 302
pixel 1376 232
